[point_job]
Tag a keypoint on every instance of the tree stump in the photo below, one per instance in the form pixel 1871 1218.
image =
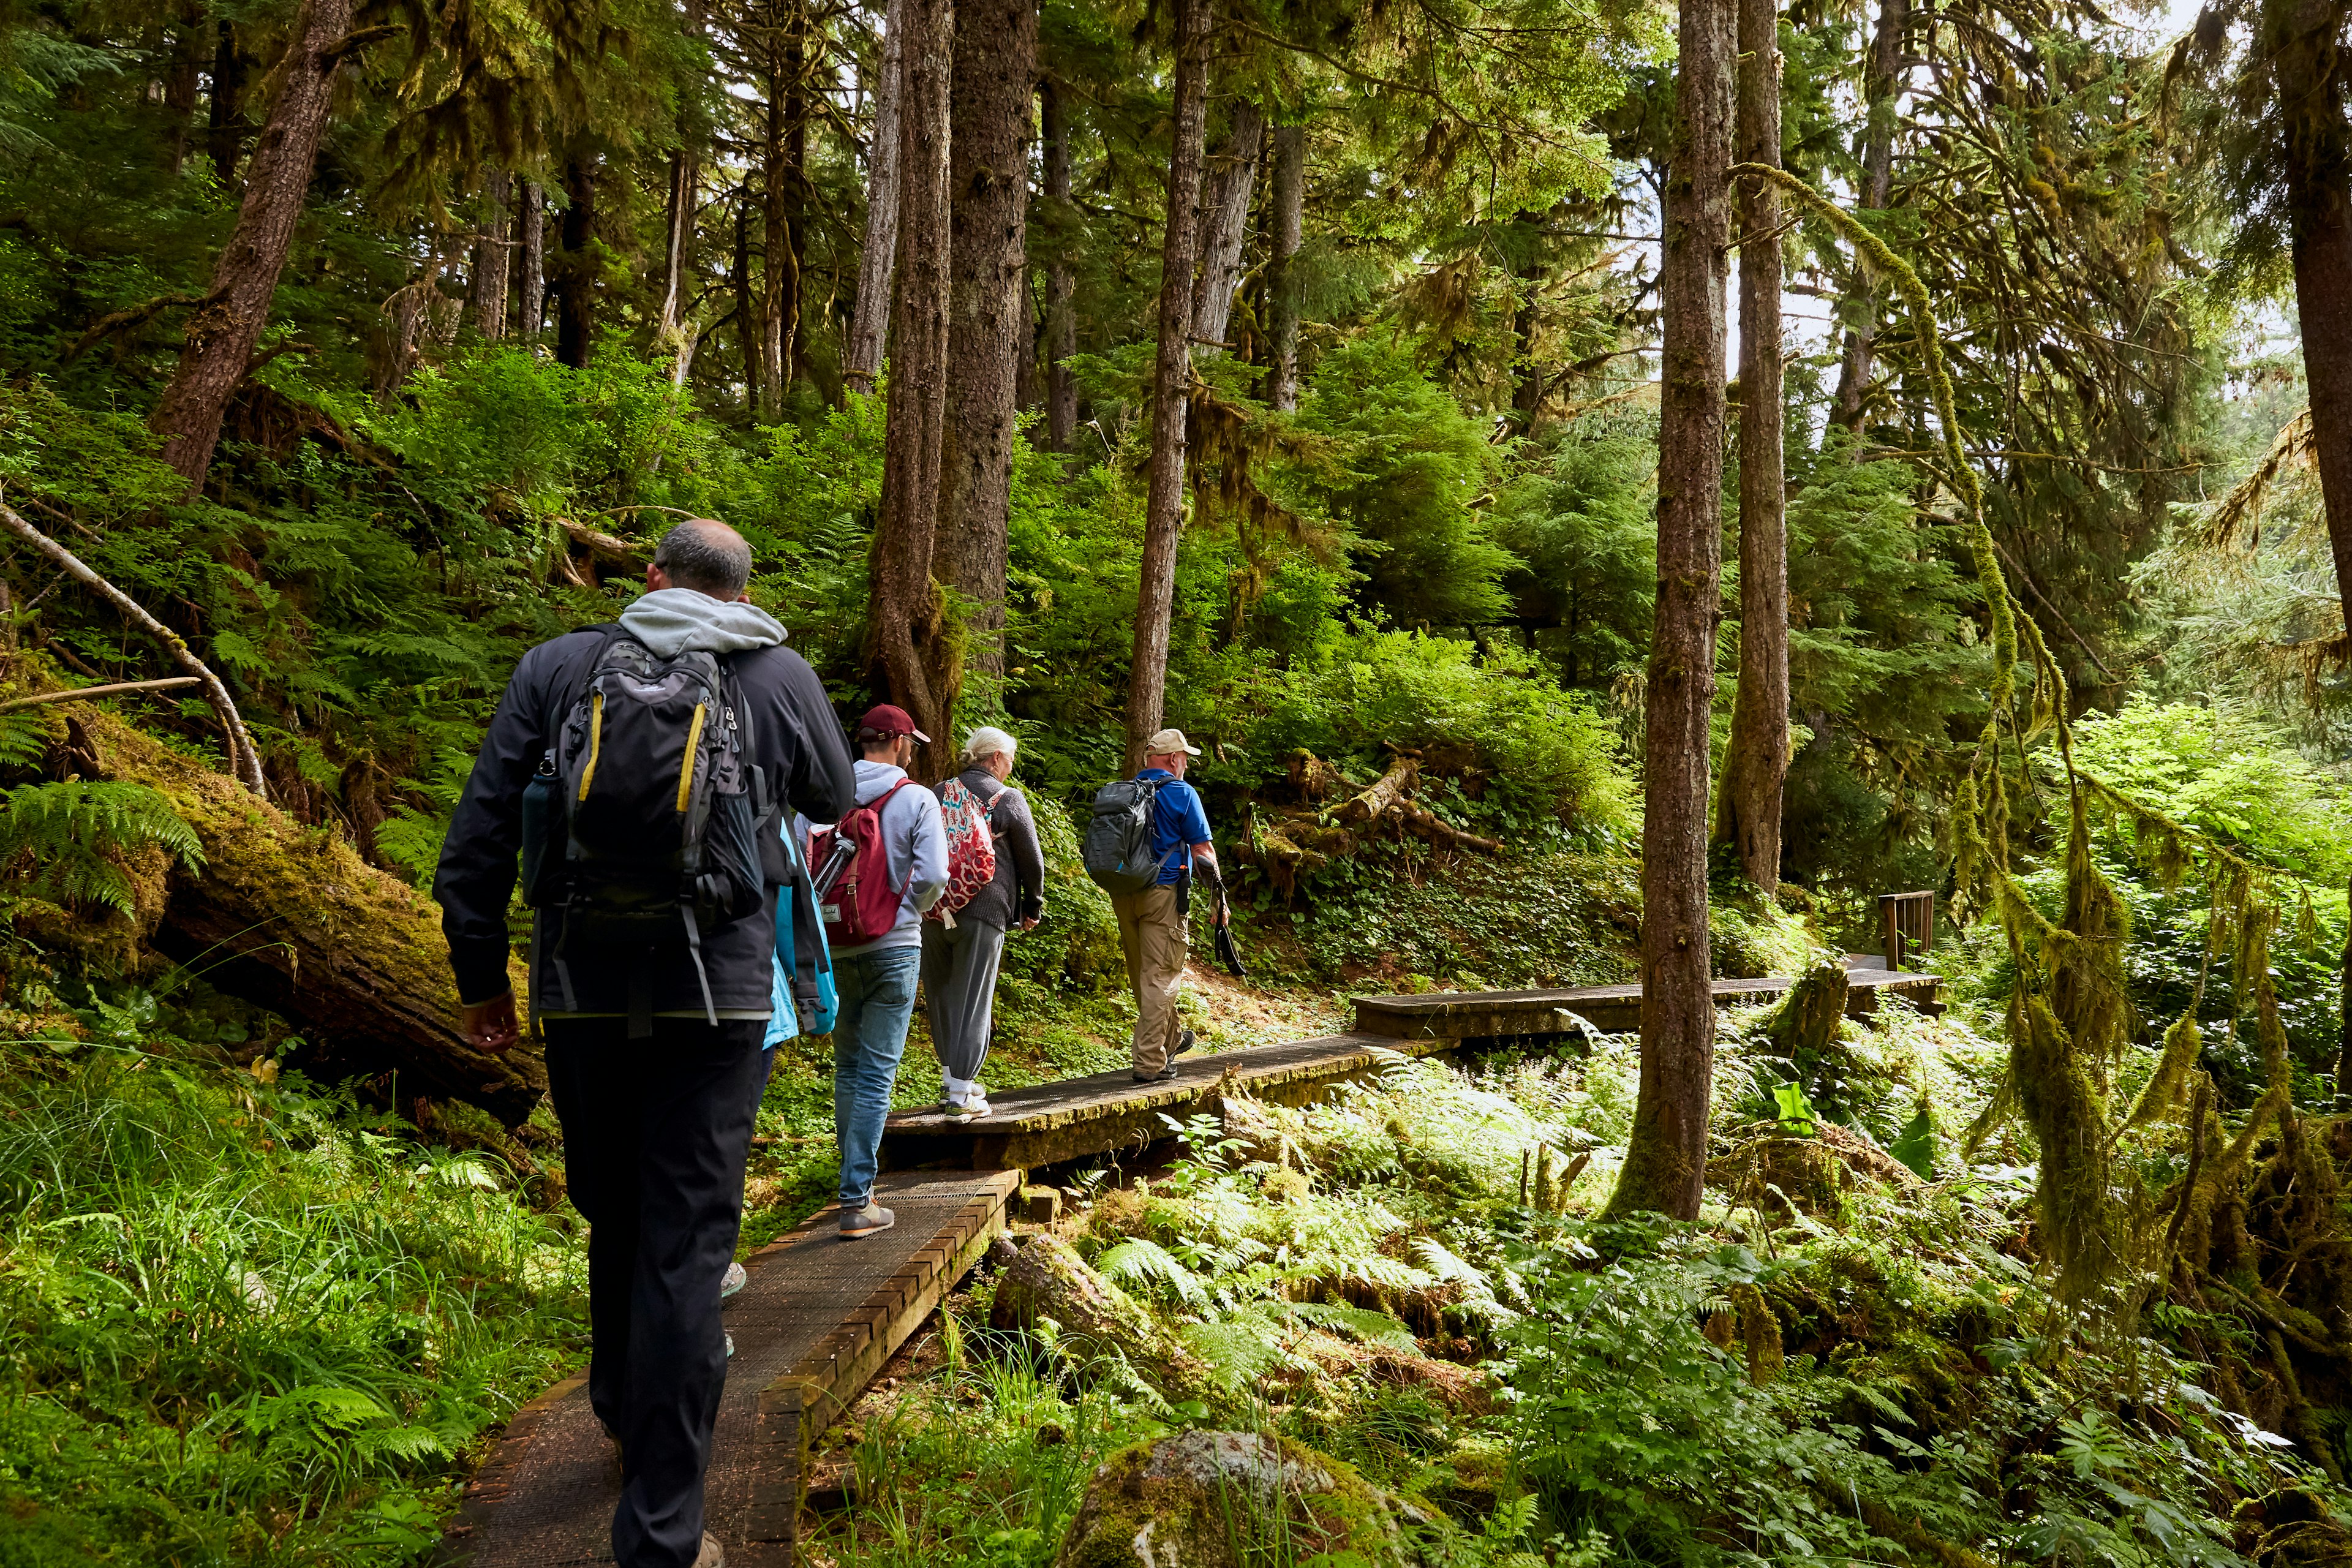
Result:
pixel 1096 1320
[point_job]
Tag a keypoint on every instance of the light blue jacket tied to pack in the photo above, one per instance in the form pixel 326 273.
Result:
pixel 800 935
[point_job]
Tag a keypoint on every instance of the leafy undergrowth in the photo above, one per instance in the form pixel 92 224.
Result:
pixel 1847 1360
pixel 242 1322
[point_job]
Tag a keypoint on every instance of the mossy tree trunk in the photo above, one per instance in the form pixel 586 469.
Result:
pixel 1756 763
pixel 907 618
pixel 1172 382
pixel 1666 1159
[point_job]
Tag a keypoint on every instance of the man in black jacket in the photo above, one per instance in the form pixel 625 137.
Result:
pixel 654 1129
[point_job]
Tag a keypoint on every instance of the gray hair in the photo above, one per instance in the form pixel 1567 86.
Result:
pixel 705 555
pixel 986 742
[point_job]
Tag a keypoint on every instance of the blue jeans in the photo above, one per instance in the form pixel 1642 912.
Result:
pixel 877 1002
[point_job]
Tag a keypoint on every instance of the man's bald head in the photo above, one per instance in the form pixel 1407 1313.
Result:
pixel 706 555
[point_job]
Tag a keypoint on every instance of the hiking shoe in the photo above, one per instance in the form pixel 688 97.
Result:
pixel 1185 1042
pixel 712 1554
pixel 1162 1075
pixel 970 1106
pixel 870 1220
pixel 737 1276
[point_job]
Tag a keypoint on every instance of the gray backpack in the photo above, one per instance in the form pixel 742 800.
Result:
pixel 1116 851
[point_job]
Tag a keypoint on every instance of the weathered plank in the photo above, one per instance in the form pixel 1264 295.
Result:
pixel 1048 1123
pixel 819 1318
pixel 1463 1015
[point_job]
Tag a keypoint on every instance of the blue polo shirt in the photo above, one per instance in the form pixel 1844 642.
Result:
pixel 1177 818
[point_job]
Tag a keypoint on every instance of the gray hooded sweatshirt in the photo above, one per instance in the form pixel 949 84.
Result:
pixel 670 621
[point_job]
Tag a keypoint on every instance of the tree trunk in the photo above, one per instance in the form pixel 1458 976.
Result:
pixel 1665 1158
pixel 2316 159
pixel 222 331
pixel 746 300
pixel 575 268
pixel 487 283
pixel 1224 227
pixel 530 293
pixel 1061 279
pixel 292 920
pixel 995 67
pixel 862 358
pixel 1883 89
pixel 182 82
pixel 224 119
pixel 1282 276
pixel 1097 1323
pixel 785 143
pixel 677 230
pixel 1526 374
pixel 1171 380
pixel 905 615
pixel 1755 760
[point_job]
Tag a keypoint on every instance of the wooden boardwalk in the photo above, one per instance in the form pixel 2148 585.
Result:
pixel 818 1319
pixel 1049 1123
pixel 822 1316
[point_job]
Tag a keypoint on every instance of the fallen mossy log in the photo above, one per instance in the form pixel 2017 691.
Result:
pixel 292 918
pixel 1046 1281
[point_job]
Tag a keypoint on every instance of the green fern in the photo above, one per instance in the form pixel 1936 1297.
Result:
pixel 1139 1262
pixel 1357 1323
pixel 73 835
pixel 22 739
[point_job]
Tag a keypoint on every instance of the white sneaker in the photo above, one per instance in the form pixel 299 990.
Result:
pixel 972 1105
pixel 737 1276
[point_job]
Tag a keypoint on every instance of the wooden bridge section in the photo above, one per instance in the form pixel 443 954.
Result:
pixel 822 1316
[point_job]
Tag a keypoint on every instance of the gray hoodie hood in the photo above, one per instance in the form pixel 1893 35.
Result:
pixel 670 621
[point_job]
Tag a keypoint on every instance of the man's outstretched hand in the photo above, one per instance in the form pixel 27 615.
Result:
pixel 490 1024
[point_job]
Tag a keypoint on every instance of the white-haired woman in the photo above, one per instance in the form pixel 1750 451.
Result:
pixel 960 962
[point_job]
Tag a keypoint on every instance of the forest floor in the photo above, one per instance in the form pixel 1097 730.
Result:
pixel 246 1322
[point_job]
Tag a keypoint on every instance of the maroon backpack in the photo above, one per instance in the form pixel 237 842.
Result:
pixel 863 907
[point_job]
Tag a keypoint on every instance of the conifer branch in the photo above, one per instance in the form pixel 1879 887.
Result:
pixel 245 761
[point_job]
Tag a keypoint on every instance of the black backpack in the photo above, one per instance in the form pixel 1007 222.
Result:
pixel 1117 850
pixel 644 824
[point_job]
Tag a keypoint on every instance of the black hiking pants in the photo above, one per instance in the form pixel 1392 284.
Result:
pixel 654 1134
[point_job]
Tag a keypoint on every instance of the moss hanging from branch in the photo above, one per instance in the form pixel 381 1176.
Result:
pixel 2070 1013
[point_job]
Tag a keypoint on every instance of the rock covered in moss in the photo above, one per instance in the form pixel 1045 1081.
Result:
pixel 1218 1500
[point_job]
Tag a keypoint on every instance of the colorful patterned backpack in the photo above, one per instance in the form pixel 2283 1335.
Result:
pixel 972 845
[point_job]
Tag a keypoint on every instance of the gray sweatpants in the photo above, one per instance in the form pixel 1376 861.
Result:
pixel 959 994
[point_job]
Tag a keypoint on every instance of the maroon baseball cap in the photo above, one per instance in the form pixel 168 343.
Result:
pixel 887 721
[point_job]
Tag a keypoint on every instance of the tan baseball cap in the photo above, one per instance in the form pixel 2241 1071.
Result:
pixel 1168 741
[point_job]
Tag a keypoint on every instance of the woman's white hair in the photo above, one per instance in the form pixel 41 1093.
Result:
pixel 986 742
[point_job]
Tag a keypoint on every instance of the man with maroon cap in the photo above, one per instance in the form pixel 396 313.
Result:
pixel 875 980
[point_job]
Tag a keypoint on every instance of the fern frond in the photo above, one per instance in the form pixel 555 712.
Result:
pixel 1136 1261
pixel 1239 1351
pixel 76 834
pixel 1357 1323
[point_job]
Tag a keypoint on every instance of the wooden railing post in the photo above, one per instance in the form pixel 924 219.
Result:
pixel 1907 923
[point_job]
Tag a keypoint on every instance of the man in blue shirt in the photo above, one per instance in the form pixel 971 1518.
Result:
pixel 1152 929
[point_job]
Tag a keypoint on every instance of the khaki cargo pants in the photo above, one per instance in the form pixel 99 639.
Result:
pixel 1153 932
